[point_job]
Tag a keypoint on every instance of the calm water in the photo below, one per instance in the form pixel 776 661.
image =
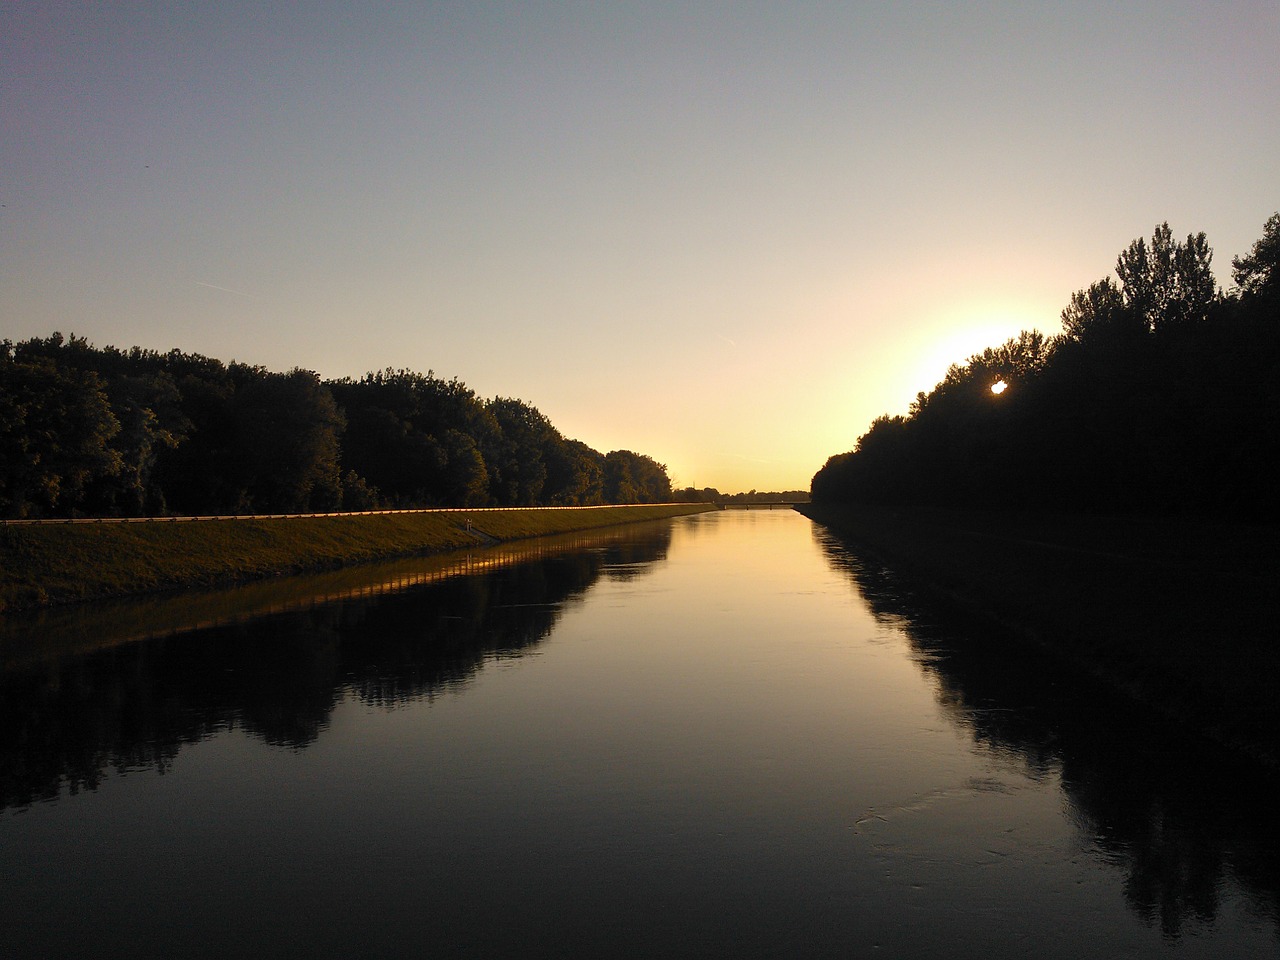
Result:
pixel 725 736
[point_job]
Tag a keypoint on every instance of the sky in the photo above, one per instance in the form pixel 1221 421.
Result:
pixel 726 235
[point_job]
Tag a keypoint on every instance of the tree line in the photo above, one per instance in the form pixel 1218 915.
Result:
pixel 88 431
pixel 1161 396
pixel 712 495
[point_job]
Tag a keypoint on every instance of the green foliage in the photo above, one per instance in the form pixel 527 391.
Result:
pixel 519 464
pixel 109 432
pixel 288 430
pixel 634 478
pixel 148 409
pixel 56 428
pixel 712 495
pixel 415 439
pixel 575 474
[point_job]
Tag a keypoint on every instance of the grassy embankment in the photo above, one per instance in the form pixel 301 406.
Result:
pixel 58 563
pixel 1182 615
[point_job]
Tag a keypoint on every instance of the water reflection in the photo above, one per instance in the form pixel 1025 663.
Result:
pixel 89 692
pixel 1175 814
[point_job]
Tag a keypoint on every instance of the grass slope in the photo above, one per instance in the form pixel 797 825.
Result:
pixel 1182 615
pixel 44 564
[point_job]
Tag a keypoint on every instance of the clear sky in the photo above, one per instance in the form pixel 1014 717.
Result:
pixel 726 235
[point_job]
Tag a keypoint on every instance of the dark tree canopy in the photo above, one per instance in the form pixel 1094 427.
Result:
pixel 634 478
pixel 1257 275
pixel 107 432
pixel 56 433
pixel 1167 283
pixel 416 438
pixel 1162 395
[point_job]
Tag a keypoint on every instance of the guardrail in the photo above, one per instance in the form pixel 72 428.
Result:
pixel 297 516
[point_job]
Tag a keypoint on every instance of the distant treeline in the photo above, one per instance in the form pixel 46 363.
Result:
pixel 109 432
pixel 712 495
pixel 1161 396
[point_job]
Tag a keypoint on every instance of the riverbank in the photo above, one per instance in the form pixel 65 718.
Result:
pixel 1181 615
pixel 45 564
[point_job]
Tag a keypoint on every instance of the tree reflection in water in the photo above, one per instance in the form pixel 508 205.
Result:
pixel 1176 814
pixel 69 721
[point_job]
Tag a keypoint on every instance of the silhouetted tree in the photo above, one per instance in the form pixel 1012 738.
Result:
pixel 289 426
pixel 126 432
pixel 635 478
pixel 148 407
pixel 1257 275
pixel 1099 314
pixel 55 432
pixel 416 439
pixel 465 477
pixel 1161 396
pixel 194 476
pixel 518 459
pixel 575 475
pixel 1167 283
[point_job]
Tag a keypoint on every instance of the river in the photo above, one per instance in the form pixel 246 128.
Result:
pixel 726 735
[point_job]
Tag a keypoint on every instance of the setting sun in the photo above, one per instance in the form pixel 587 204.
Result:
pixel 999 387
